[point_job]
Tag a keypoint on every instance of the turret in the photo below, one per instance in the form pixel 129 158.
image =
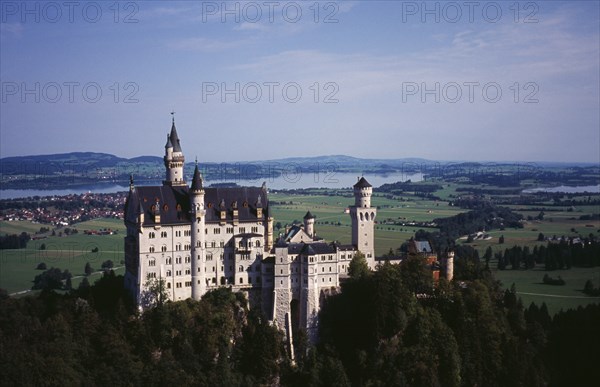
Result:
pixel 363 220
pixel 362 193
pixel 174 159
pixel 198 236
pixel 309 224
pixel 450 266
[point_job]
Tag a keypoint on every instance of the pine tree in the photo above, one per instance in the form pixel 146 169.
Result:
pixel 358 267
pixel 88 269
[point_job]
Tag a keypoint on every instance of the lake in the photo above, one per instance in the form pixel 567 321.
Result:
pixel 594 189
pixel 330 180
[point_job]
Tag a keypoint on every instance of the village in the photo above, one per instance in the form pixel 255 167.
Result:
pixel 63 210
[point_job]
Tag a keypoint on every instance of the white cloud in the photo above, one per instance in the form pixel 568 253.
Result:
pixel 12 29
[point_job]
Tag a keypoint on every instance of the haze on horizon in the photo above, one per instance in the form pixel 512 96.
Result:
pixel 506 81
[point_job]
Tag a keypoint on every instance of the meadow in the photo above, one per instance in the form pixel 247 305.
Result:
pixel 530 287
pixel 72 252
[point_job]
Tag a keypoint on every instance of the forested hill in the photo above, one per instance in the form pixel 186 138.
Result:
pixel 82 168
pixel 389 327
pixel 85 168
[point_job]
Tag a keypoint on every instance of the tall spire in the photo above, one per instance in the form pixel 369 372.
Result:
pixel 197 181
pixel 173 137
pixel 174 159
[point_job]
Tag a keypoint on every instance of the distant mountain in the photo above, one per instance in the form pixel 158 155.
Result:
pixel 146 159
pixel 344 160
pixel 87 157
pixel 85 168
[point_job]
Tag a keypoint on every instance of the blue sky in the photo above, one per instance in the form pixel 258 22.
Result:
pixel 501 81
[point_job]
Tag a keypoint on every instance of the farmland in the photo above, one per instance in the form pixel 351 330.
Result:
pixel 72 252
pixel 399 216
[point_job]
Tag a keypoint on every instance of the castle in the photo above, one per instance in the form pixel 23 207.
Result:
pixel 194 238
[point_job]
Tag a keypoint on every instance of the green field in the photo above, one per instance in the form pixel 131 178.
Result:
pixel 18 267
pixel 530 287
pixel 330 209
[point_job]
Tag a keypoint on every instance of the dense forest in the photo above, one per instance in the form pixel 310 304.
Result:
pixel 389 327
pixel 486 217
pixel 556 255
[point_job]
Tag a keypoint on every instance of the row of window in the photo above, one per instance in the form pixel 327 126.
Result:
pixel 213 280
pixel 178 233
pixel 213 244
pixel 164 234
pixel 230 230
pixel 306 280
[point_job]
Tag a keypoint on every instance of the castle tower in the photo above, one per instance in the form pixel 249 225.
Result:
pixel 450 266
pixel 198 236
pixel 309 224
pixel 282 294
pixel 174 159
pixel 363 220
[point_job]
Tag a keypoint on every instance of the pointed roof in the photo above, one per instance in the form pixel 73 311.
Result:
pixel 281 242
pixel 197 181
pixel 362 183
pixel 174 138
pixel 308 250
pixel 309 216
pixel 169 144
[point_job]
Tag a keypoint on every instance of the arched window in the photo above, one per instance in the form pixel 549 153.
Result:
pixel 241 268
pixel 257 243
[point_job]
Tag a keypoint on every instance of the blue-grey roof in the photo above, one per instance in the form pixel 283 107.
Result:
pixel 309 215
pixel 423 247
pixel 197 183
pixel 362 183
pixel 175 203
pixel 174 138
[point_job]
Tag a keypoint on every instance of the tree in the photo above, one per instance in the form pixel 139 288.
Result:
pixel 41 266
pixel 50 279
pixel 155 293
pixel 358 267
pixel 88 269
pixel 84 284
pixel 488 256
pixel 416 274
pixel 108 264
pixel 43 246
pixel 541 237
pixel 501 239
pixel 588 287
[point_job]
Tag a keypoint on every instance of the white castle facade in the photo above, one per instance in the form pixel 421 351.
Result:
pixel 195 238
